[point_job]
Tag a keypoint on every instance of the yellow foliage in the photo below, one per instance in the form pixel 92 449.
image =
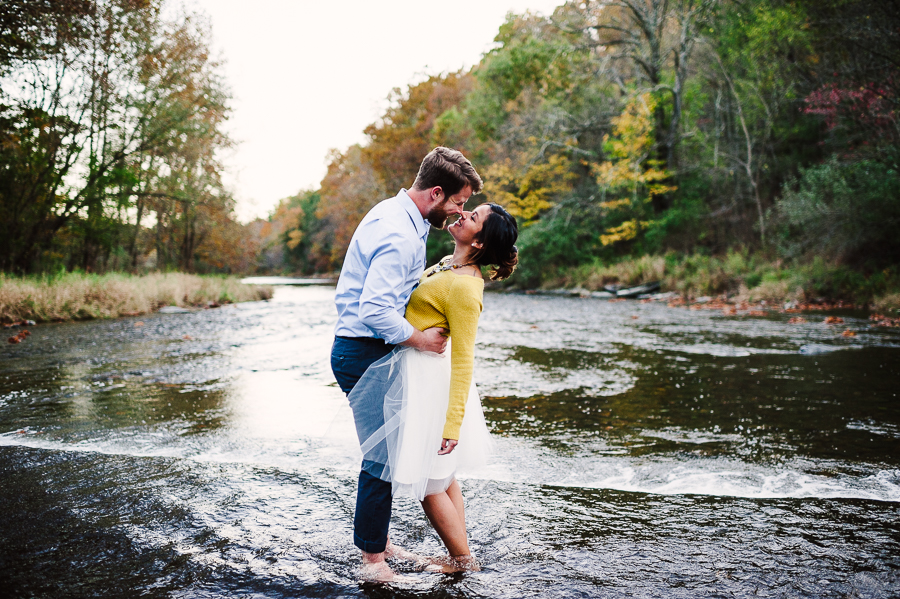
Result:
pixel 632 170
pixel 624 232
pixel 615 204
pixel 295 237
pixel 527 195
pixel 631 177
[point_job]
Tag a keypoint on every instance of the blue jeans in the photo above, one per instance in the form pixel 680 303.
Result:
pixel 350 357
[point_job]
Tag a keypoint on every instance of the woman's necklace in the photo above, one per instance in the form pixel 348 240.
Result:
pixel 441 267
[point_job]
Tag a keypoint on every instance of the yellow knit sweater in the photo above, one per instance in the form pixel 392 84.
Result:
pixel 452 301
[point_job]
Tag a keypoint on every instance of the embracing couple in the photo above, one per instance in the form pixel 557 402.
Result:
pixel 417 413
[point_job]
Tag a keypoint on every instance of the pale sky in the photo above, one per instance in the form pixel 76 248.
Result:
pixel 309 76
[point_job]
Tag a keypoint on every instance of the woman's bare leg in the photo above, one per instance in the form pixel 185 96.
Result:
pixel 455 495
pixel 446 513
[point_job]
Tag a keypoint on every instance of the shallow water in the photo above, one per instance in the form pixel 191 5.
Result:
pixel 643 451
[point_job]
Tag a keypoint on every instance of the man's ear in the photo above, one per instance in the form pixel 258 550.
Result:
pixel 437 193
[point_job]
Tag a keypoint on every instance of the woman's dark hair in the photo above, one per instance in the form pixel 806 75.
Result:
pixel 498 238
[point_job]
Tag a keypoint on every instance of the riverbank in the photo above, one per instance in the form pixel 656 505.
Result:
pixel 80 296
pixel 741 277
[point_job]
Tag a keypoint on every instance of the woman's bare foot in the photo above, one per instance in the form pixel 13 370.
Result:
pixel 400 553
pixel 450 564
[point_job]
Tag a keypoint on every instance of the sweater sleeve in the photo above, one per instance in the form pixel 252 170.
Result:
pixel 464 305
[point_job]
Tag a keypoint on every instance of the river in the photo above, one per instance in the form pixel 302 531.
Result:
pixel 642 451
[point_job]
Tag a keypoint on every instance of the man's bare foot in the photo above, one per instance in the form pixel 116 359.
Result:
pixel 376 572
pixel 375 569
pixel 450 564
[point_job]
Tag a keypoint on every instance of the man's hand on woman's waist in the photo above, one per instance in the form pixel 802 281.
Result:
pixel 432 340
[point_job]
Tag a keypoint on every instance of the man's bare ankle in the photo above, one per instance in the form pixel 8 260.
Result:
pixel 372 558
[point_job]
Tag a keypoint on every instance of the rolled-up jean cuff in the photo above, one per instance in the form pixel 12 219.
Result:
pixel 373 513
pixel 369 546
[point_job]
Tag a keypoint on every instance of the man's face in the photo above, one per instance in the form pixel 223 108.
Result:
pixel 447 206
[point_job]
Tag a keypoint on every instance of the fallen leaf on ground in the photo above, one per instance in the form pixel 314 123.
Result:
pixel 880 320
pixel 848 333
pixel 833 320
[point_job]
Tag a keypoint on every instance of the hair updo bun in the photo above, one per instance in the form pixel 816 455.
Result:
pixel 498 236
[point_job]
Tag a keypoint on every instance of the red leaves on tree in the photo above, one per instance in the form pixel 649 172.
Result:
pixel 870 106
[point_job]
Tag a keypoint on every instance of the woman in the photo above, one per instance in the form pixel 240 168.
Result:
pixel 423 408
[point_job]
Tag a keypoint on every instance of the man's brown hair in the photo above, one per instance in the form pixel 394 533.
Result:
pixel 449 170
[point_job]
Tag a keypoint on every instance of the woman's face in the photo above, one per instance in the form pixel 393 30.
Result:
pixel 465 230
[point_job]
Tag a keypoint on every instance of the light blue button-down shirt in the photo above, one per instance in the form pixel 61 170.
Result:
pixel 385 259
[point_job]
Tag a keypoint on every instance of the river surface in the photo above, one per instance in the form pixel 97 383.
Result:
pixel 642 451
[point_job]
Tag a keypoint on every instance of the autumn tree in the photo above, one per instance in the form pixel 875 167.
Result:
pixel 406 132
pixel 647 44
pixel 539 114
pixel 630 180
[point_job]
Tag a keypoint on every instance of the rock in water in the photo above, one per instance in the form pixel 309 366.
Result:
pixel 173 310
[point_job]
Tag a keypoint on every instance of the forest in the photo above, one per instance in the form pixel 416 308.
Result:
pixel 715 144
pixel 111 128
pixel 723 146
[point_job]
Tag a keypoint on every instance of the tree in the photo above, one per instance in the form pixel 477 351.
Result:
pixel 649 45
pixel 632 178
pixel 351 187
pixel 406 133
pixel 108 110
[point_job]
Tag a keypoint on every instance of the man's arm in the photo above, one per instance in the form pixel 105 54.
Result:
pixel 386 275
pixel 381 291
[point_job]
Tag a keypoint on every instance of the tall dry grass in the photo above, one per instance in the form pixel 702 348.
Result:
pixel 77 296
pixel 742 276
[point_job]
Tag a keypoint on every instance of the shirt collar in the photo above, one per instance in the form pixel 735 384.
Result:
pixel 422 225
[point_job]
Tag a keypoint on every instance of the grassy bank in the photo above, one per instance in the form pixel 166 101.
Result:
pixel 742 277
pixel 77 296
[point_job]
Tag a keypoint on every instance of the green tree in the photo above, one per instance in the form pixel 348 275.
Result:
pixel 108 111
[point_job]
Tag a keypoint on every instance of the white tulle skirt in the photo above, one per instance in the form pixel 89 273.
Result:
pixel 400 407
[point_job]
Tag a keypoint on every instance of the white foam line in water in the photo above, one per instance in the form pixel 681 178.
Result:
pixel 521 461
pixel 298 456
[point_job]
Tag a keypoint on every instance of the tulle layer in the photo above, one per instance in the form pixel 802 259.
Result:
pixel 400 407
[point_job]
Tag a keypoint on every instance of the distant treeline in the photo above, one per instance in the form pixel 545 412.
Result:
pixel 111 115
pixel 616 129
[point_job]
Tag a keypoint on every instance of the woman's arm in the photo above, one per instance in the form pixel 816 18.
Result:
pixel 464 307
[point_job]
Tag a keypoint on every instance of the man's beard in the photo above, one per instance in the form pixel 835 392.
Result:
pixel 438 215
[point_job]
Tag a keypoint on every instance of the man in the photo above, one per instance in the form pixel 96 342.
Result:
pixel 384 261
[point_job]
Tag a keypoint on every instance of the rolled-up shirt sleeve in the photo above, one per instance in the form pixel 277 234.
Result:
pixel 383 290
